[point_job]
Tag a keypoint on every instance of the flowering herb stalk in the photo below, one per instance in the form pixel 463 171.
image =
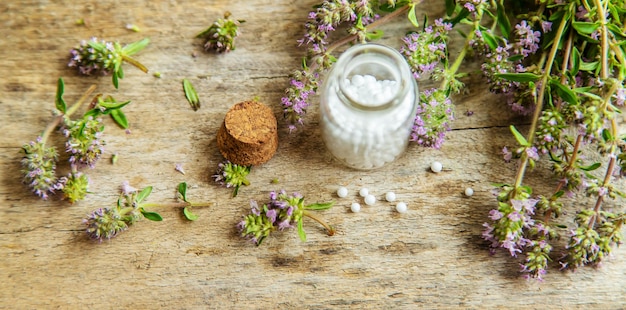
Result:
pixel 282 212
pixel 574 91
pixel 84 145
pixel 106 223
pixel 99 56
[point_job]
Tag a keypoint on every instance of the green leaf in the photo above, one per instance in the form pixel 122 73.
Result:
pixel 153 216
pixel 515 58
pixel 576 60
pixel 585 28
pixel 522 77
pixel 606 135
pixel 554 158
pixel 558 194
pixel 459 17
pixel 320 206
pixel 450 6
pixel 182 190
pixel 301 231
pixel 120 118
pixel 589 66
pixel 519 137
pixel 386 6
pixel 503 21
pixel 189 215
pixel 191 95
pixel 143 194
pixel 374 35
pixel 135 47
pixel 59 102
pixel 116 82
pixel 119 71
pixel 616 31
pixel 564 92
pixel 111 104
pixel 412 17
pixel 591 167
pixel 489 39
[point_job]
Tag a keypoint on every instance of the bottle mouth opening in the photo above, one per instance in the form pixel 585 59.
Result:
pixel 375 77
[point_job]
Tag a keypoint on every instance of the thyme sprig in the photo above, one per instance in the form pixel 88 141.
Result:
pixel 106 223
pixel 84 145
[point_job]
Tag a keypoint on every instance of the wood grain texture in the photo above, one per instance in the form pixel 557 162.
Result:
pixel 431 257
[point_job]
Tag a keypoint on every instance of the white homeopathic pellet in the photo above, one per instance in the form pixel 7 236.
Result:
pixel 342 192
pixel 469 192
pixel 370 200
pixel 364 192
pixel 401 207
pixel 436 167
pixel 390 196
pixel 355 207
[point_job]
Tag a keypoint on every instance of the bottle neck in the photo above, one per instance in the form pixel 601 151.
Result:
pixel 372 77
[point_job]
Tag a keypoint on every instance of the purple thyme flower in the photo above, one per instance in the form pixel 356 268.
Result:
pixel 473 5
pixel 295 103
pixel 425 50
pixel 508 155
pixel 179 168
pixel 527 39
pixel 432 120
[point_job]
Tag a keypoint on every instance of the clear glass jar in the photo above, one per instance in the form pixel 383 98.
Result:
pixel 367 106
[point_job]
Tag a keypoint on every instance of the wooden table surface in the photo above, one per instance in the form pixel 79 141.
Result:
pixel 431 257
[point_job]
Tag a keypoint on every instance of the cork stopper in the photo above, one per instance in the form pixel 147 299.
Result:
pixel 249 135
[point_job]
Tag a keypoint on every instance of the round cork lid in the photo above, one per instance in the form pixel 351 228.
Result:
pixel 250 122
pixel 248 136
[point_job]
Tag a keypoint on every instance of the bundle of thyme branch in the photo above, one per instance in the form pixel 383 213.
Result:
pixel 562 64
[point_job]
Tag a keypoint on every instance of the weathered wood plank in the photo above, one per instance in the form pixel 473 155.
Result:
pixel 432 256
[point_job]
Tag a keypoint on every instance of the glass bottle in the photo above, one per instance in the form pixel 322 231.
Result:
pixel 367 106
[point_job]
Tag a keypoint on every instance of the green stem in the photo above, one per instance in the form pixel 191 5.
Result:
pixel 57 119
pixel 570 166
pixel 604 72
pixel 329 229
pixel 451 71
pixel 539 106
pixel 350 38
pixel 604 40
pixel 175 204
pixel 135 63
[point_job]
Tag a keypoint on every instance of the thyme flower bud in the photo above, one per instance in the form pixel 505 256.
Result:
pixel 90 60
pixel 84 143
pixel 76 186
pixel 220 36
pixel 232 175
pixel 106 223
pixel 425 50
pixel 38 168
